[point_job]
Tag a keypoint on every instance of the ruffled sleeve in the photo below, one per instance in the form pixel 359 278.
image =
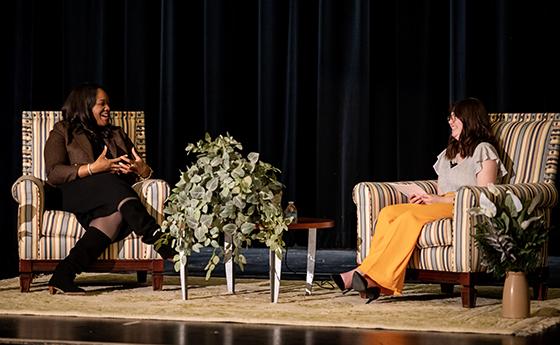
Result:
pixel 438 165
pixel 485 151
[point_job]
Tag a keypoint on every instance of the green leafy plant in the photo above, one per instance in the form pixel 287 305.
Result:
pixel 221 193
pixel 509 234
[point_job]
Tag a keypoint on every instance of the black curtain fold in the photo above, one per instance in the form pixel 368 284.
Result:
pixel 331 92
pixel 342 100
pixel 458 49
pixel 294 86
pixel 167 142
pixel 502 57
pixel 213 68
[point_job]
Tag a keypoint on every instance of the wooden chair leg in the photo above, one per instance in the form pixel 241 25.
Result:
pixel 468 296
pixel 142 277
pixel 157 275
pixel 25 275
pixel 157 280
pixel 25 281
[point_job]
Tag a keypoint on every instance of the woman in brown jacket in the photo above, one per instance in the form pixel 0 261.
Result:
pixel 93 165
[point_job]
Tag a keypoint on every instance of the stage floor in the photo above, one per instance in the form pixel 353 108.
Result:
pixel 59 330
pixel 56 330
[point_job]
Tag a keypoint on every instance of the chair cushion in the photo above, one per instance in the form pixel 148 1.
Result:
pixel 61 231
pixel 57 248
pixel 60 223
pixel 434 259
pixel 436 234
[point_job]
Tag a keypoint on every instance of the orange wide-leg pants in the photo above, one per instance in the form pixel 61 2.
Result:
pixel 396 234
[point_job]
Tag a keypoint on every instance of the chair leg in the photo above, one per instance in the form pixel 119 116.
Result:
pixel 25 281
pixel 157 281
pixel 157 275
pixel 468 296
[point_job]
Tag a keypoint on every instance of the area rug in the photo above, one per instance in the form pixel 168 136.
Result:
pixel 421 308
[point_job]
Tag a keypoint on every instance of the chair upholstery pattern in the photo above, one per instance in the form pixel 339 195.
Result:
pixel 529 145
pixel 50 234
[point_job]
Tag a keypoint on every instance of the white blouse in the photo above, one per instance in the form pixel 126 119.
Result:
pixel 452 175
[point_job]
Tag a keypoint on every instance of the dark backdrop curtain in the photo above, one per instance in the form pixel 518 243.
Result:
pixel 331 92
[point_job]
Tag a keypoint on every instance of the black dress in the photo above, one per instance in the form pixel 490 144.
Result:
pixel 94 196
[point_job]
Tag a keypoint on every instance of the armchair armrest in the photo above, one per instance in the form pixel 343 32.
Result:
pixel 153 194
pixel 28 191
pixel 370 198
pixel 464 224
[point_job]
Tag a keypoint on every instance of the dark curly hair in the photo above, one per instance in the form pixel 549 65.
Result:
pixel 77 112
pixel 476 128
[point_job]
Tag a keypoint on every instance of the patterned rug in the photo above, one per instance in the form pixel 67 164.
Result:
pixel 421 308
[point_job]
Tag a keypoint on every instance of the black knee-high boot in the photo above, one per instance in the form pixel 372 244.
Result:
pixel 85 252
pixel 143 224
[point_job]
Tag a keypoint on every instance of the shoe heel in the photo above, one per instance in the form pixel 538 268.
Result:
pixel 372 294
pixel 359 283
pixel 340 283
pixel 52 290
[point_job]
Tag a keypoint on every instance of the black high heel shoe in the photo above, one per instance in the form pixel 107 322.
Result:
pixel 360 284
pixel 337 278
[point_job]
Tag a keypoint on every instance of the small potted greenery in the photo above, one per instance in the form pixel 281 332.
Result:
pixel 222 192
pixel 511 237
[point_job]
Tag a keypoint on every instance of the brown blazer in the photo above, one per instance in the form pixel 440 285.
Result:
pixel 62 159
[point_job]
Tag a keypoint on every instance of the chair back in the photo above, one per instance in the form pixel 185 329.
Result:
pixel 36 126
pixel 528 144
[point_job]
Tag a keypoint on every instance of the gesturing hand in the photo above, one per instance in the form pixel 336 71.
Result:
pixel 102 163
pixel 137 166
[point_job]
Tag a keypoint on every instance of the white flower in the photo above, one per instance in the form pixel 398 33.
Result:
pixel 516 201
pixel 525 224
pixel 487 207
pixel 492 188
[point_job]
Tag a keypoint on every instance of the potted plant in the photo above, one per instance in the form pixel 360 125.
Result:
pixel 511 238
pixel 222 192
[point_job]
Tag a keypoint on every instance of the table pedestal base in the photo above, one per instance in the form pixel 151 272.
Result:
pixel 275 263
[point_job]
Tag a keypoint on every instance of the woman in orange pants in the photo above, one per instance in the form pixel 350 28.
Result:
pixel 469 159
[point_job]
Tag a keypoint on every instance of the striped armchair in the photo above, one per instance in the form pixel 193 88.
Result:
pixel 46 236
pixel 446 253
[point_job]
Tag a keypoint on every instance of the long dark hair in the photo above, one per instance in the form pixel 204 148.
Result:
pixel 476 128
pixel 76 111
